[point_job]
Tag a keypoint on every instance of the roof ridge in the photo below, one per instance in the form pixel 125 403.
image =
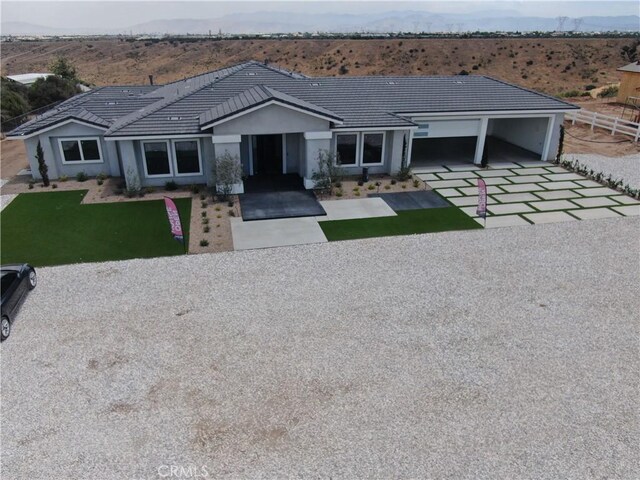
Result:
pixel 162 103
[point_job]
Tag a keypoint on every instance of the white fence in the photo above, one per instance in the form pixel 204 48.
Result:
pixel 614 124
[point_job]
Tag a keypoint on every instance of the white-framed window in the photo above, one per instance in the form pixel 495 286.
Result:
pixel 186 154
pixel 372 148
pixel 347 149
pixel 156 159
pixel 80 150
pixel 364 149
pixel 168 158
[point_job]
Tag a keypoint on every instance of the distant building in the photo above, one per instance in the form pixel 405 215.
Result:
pixel 28 78
pixel 630 82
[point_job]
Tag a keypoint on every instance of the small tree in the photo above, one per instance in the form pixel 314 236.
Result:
pixel 62 67
pixel 42 166
pixel 329 171
pixel 227 172
pixel 560 145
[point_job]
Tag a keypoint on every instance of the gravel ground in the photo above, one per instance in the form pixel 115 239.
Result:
pixel 510 353
pixel 626 168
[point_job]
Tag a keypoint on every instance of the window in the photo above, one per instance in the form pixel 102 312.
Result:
pixel 187 157
pixel 372 148
pixel 7 280
pixel 77 150
pixel 347 149
pixel 156 159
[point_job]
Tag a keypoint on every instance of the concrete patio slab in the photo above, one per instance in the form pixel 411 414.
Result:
pixel 507 208
pixel 556 194
pixel 412 200
pixel 463 167
pixel 628 210
pixel 427 177
pixel 434 169
pixel 597 192
pixel 449 184
pixel 491 190
pixel 356 208
pixel 595 202
pixel 498 165
pixel 464 201
pixel 457 175
pixel 471 211
pixel 516 197
pixel 560 177
pixel 552 205
pixel 527 179
pixel 522 187
pixel 549 217
pixel 594 213
pixel 6 200
pixel 588 183
pixel 495 173
pixel 275 233
pixel 530 171
pixel 535 163
pixel 449 192
pixel 625 200
pixel 496 181
pixel 503 221
pixel 559 185
pixel 557 170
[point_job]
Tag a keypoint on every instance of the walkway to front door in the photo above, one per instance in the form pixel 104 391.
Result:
pixel 263 206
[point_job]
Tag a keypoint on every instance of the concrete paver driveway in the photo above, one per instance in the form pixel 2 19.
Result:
pixel 507 353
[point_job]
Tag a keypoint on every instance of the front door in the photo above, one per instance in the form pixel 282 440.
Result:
pixel 267 154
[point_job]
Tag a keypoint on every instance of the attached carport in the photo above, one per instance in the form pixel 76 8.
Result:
pixel 499 137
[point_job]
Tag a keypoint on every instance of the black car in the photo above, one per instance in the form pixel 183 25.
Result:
pixel 17 280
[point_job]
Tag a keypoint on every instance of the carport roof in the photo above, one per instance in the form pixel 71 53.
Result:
pixel 184 107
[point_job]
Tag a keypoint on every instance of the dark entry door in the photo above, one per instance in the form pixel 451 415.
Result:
pixel 268 154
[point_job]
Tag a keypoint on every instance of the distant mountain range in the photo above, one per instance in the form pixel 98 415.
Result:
pixel 392 21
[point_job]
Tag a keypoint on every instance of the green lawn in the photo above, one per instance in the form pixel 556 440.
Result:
pixel 406 223
pixel 54 229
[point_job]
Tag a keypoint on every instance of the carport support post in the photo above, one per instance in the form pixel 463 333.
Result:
pixel 482 136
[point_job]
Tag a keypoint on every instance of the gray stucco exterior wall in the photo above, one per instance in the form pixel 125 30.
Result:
pixel 272 119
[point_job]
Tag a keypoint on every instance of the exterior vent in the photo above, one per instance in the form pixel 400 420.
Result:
pixel 392 83
pixel 174 118
pixel 111 103
pixel 251 74
pixel 315 84
pixel 458 82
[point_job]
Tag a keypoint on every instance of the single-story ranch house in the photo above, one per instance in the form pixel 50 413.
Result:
pixel 277 122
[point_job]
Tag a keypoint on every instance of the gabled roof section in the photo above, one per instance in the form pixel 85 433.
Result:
pixel 255 97
pixel 632 67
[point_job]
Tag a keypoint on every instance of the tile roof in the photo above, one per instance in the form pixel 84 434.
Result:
pixel 185 106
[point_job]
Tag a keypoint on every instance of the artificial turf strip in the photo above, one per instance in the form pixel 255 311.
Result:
pixel 405 223
pixel 54 229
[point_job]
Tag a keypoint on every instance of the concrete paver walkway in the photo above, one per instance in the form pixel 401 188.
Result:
pixel 275 233
pixel 355 208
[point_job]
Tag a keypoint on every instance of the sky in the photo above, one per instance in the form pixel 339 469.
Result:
pixel 121 14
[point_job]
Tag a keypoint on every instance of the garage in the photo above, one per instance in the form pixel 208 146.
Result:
pixel 502 139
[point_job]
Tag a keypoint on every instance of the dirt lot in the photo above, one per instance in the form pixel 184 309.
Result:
pixel 13 158
pixel 549 65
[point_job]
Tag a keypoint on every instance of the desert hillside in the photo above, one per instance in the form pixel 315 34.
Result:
pixel 550 65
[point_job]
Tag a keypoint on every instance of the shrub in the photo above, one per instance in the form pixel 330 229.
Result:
pixel 54 185
pixel 371 186
pixel 31 186
pixel 204 243
pixel 227 172
pixel 387 187
pixel 42 165
pixel 206 229
pixel 357 194
pixel 203 196
pixel 571 93
pixel 337 184
pixel 589 87
pixel 205 221
pixel 339 193
pixel 393 181
pixel 170 186
pixel 611 91
pixel 217 209
pixel 101 176
pixel 81 177
pixel 203 204
pixel 404 185
pixel 63 178
pixel 195 189
pixel 404 174
pixel 149 190
pixel 328 172
pixel 416 183
pixel 99 181
pixel 232 213
pixel 230 202
pixel 203 214
pixel 356 189
pixel 360 183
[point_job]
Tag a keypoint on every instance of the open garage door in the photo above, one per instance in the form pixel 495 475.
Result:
pixel 444 141
pixel 516 139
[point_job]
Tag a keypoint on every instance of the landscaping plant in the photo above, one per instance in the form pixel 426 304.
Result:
pixel 227 172
pixel 328 172
pixel 42 166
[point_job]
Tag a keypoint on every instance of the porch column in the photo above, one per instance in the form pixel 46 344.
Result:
pixel 130 170
pixel 228 144
pixel 482 136
pixel 315 142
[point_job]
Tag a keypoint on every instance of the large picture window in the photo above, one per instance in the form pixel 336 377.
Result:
pixel 187 157
pixel 80 150
pixel 156 159
pixel 347 149
pixel 372 147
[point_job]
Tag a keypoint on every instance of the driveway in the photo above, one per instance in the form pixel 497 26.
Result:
pixel 507 353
